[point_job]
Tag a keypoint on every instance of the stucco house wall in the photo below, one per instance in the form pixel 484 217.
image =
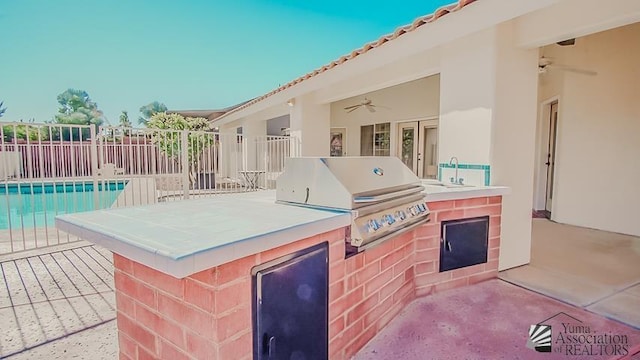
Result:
pixel 415 100
pixel 598 141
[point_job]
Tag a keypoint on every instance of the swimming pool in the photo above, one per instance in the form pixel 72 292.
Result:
pixel 31 205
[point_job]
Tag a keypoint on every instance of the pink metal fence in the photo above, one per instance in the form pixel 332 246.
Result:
pixel 50 169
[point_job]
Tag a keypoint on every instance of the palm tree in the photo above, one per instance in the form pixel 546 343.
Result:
pixel 124 119
pixel 125 122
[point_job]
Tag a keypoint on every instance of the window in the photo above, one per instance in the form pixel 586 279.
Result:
pixel 375 140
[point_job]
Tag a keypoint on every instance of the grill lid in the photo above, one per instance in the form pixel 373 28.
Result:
pixel 345 182
pixel 382 194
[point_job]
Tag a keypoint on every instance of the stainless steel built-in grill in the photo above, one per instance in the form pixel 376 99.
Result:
pixel 384 197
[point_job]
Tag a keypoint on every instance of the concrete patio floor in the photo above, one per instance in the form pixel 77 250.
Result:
pixel 592 269
pixel 58 303
pixel 491 320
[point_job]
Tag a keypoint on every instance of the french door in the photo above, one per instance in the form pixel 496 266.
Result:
pixel 418 147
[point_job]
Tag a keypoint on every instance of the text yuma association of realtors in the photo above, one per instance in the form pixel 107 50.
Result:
pixel 580 340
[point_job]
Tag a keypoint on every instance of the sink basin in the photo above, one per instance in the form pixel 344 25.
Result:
pixel 446 185
pixel 433 187
pixel 457 185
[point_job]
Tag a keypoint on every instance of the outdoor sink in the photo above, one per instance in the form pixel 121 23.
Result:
pixel 446 185
pixel 449 185
pixel 433 187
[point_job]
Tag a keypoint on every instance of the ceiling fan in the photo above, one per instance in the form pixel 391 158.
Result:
pixel 365 103
pixel 545 64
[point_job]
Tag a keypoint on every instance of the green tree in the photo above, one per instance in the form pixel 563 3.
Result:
pixel 149 110
pixel 2 109
pixel 124 119
pixel 199 137
pixel 125 122
pixel 33 133
pixel 76 108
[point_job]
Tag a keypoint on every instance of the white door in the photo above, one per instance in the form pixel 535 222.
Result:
pixel 418 147
pixel 338 145
pixel 551 155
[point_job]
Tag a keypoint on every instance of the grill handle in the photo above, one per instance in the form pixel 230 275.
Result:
pixel 387 196
pixel 272 348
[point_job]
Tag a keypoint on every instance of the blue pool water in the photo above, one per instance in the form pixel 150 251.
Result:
pixel 36 205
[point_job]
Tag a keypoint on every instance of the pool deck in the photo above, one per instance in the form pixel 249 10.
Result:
pixel 61 304
pixel 14 241
pixel 58 303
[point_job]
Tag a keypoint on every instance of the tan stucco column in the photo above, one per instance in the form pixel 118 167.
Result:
pixel 488 121
pixel 310 124
pixel 513 142
pixel 252 131
pixel 226 155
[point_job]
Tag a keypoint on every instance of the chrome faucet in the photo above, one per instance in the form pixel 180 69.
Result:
pixel 455 180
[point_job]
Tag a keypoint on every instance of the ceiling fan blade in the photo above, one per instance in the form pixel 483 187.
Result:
pixel 354 109
pixel 371 108
pixel 572 69
pixel 351 107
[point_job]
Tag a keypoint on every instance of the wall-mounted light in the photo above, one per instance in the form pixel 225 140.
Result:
pixel 290 102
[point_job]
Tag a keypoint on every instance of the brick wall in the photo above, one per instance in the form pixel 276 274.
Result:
pixel 208 315
pixel 427 238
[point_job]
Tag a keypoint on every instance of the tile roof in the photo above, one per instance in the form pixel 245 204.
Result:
pixel 426 19
pixel 211 114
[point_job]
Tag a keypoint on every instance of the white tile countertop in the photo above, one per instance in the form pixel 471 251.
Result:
pixel 184 237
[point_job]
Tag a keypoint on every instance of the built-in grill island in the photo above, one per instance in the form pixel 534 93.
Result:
pixel 239 276
pixel 384 197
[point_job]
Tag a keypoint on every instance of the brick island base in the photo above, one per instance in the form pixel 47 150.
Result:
pixel 208 315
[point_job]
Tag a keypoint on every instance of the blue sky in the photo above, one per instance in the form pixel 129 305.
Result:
pixel 186 54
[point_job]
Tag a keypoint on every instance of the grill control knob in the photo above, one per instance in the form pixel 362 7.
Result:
pixel 401 215
pixel 369 227
pixel 375 225
pixel 390 219
pixel 422 207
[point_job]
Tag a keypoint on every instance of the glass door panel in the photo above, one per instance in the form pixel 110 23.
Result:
pixel 338 145
pixel 429 146
pixel 418 147
pixel 408 144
